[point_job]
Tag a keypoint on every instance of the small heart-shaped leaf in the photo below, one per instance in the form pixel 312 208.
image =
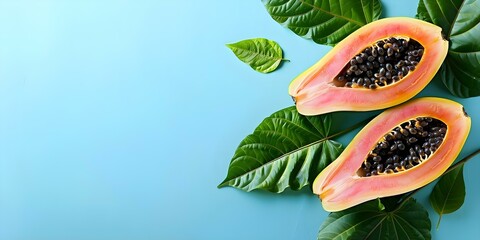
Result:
pixel 261 54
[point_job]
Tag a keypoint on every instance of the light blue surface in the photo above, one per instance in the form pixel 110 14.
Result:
pixel 119 118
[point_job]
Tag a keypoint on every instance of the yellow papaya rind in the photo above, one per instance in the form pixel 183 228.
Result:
pixel 314 92
pixel 339 186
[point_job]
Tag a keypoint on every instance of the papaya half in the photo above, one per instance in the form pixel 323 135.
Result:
pixel 382 64
pixel 402 149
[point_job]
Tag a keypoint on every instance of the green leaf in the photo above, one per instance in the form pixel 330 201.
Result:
pixel 392 202
pixel 286 150
pixel 448 194
pixel 460 21
pixel 261 54
pixel 325 22
pixel 369 221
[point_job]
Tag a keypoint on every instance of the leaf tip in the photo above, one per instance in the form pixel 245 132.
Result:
pixel 222 184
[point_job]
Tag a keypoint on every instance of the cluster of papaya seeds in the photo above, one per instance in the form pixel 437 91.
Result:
pixel 381 65
pixel 402 149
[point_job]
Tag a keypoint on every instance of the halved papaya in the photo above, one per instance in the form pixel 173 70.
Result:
pixel 402 149
pixel 380 65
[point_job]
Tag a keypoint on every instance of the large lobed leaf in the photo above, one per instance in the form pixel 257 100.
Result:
pixel 286 150
pixel 324 21
pixel 371 220
pixel 261 54
pixel 448 194
pixel 460 21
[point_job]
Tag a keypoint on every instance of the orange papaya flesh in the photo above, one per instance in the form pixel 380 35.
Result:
pixel 409 51
pixel 348 181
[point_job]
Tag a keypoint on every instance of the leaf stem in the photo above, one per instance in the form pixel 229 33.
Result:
pixel 461 162
pixel 451 168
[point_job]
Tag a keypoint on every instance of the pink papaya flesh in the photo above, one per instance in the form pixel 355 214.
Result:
pixel 380 65
pixel 402 149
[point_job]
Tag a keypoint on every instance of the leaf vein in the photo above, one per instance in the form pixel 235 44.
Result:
pixel 297 125
pixel 355 225
pixel 455 18
pixel 321 141
pixel 375 227
pixel 411 226
pixel 333 14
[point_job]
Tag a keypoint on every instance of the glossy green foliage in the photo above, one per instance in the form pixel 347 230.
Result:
pixel 325 22
pixel 286 150
pixel 371 220
pixel 460 21
pixel 448 194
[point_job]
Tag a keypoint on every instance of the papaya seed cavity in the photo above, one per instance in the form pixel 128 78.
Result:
pixel 404 147
pixel 385 62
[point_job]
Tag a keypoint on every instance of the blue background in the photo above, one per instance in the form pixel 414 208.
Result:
pixel 119 118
